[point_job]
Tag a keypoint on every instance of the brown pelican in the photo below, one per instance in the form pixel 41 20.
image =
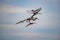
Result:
pixel 34 12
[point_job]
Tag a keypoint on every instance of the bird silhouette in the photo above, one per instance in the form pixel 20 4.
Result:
pixel 34 12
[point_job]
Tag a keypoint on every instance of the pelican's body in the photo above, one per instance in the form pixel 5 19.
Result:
pixel 35 12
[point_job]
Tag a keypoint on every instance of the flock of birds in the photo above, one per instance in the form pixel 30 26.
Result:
pixel 34 12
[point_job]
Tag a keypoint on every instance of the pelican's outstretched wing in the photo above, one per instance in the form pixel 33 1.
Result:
pixel 29 24
pixel 34 11
pixel 38 10
pixel 35 19
pixel 20 22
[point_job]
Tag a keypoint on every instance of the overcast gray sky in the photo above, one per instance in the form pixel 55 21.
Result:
pixel 12 11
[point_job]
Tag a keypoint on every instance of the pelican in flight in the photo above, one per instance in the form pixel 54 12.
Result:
pixel 34 12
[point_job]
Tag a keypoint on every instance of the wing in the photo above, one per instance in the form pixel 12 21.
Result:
pixel 34 11
pixel 37 10
pixel 29 24
pixel 20 22
pixel 35 19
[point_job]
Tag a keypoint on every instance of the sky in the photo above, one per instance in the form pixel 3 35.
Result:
pixel 46 28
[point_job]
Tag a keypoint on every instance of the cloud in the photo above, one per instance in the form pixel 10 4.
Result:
pixel 24 33
pixel 32 36
pixel 49 23
pixel 10 27
pixel 12 9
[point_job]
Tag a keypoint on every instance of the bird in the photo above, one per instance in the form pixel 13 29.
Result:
pixel 34 12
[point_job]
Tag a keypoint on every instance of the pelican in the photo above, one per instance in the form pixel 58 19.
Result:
pixel 34 12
